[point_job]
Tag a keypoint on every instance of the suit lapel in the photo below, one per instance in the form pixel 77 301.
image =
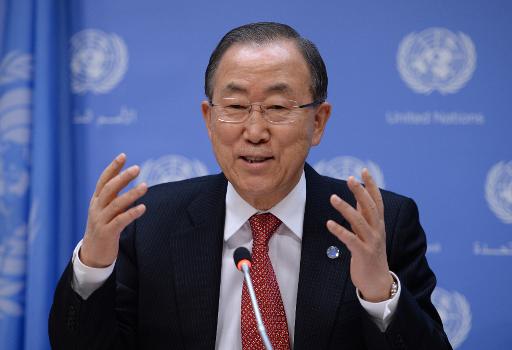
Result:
pixel 196 254
pixel 322 280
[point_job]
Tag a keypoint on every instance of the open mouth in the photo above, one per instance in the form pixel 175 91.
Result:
pixel 255 159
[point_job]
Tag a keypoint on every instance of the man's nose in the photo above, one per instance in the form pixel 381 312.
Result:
pixel 256 107
pixel 256 126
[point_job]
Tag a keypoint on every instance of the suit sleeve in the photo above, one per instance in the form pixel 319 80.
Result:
pixel 416 323
pixel 107 319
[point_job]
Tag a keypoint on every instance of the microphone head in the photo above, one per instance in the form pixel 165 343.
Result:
pixel 242 256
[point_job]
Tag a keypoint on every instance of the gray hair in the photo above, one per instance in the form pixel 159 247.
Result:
pixel 265 32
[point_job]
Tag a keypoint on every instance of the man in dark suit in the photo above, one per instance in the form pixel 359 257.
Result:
pixel 343 266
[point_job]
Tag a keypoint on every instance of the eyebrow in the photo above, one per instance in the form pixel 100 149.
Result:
pixel 279 87
pixel 233 87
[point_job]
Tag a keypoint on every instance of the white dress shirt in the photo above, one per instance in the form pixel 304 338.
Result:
pixel 284 252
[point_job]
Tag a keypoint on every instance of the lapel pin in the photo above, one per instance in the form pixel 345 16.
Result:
pixel 333 252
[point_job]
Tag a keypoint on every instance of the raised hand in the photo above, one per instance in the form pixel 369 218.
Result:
pixel 110 213
pixel 369 268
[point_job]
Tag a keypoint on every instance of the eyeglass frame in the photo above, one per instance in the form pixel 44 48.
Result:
pixel 263 111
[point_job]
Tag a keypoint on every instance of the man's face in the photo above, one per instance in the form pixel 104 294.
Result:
pixel 264 161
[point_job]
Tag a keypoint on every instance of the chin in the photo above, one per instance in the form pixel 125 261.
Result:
pixel 256 191
pixel 256 188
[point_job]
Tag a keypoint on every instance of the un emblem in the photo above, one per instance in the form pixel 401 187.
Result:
pixel 498 191
pixel 98 61
pixel 436 59
pixel 455 313
pixel 14 67
pixel 344 166
pixel 15 126
pixel 169 168
pixel 13 255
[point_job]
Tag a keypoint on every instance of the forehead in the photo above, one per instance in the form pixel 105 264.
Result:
pixel 256 69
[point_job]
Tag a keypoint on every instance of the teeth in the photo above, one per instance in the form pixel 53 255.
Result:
pixel 255 159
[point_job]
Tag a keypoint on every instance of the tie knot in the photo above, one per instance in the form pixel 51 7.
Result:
pixel 263 227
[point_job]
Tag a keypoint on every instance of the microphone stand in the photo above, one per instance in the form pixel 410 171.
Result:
pixel 256 309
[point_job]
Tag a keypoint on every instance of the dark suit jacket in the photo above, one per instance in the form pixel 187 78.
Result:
pixel 164 292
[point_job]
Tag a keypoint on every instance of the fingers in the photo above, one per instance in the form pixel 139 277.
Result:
pixel 122 220
pixel 367 221
pixel 367 241
pixel 110 213
pixel 116 184
pixel 123 202
pixel 374 191
pixel 110 171
pixel 365 202
pixel 348 238
pixel 357 221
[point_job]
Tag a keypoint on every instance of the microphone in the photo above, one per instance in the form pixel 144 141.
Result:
pixel 242 258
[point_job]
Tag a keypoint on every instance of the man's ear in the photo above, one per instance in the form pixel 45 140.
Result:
pixel 206 109
pixel 322 115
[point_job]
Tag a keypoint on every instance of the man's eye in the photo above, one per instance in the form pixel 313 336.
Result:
pixel 276 107
pixel 234 106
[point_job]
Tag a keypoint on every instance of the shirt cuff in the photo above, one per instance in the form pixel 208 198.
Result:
pixel 87 279
pixel 382 313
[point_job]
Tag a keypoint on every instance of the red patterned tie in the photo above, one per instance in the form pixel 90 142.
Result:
pixel 266 288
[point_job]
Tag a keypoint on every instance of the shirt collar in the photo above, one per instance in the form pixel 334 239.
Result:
pixel 290 210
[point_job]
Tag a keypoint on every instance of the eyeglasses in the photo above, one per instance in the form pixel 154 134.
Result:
pixel 279 111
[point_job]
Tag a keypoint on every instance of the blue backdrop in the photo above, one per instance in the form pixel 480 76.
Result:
pixel 424 87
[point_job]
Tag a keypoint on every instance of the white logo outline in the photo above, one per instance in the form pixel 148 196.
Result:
pixel 170 167
pixel 15 66
pixel 436 51
pixel 15 125
pixel 99 61
pixel 498 190
pixel 341 167
pixel 455 312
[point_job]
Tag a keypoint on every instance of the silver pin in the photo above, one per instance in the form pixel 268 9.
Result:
pixel 333 252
